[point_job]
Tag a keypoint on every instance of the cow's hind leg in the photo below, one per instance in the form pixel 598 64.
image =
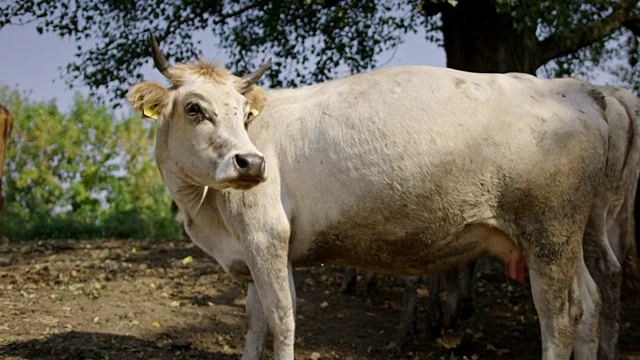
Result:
pixel 349 282
pixel 450 281
pixel 555 279
pixel 586 344
pixel 434 310
pixel 408 316
pixel 607 273
pixel 466 290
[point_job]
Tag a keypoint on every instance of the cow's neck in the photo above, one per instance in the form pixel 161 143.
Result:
pixel 196 202
pixel 204 223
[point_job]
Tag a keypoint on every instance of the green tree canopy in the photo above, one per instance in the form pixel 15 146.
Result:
pixel 81 174
pixel 311 39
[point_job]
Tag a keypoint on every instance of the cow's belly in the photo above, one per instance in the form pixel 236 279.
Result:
pixel 413 254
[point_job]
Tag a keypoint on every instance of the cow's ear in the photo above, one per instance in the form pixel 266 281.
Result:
pixel 257 99
pixel 149 98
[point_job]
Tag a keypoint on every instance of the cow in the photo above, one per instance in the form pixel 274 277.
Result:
pixel 6 124
pixel 405 170
pixel 612 261
pixel 443 313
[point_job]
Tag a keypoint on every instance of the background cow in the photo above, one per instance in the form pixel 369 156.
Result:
pixel 6 124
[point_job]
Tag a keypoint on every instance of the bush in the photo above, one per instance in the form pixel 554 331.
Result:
pixel 81 175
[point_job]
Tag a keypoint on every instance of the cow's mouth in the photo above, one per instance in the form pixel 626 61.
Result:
pixel 245 184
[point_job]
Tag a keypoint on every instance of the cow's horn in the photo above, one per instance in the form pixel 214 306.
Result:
pixel 253 77
pixel 159 60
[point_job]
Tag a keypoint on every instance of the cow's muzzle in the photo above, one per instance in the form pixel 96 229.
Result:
pixel 250 167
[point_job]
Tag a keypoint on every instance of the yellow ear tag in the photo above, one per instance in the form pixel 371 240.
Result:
pixel 255 112
pixel 150 113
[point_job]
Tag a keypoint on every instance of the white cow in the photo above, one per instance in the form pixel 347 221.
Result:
pixel 405 170
pixel 607 260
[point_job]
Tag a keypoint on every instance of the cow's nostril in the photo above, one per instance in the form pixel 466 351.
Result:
pixel 241 162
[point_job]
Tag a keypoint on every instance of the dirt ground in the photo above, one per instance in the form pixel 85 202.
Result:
pixel 123 299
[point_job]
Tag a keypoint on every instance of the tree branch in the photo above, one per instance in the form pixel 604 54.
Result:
pixel 431 7
pixel 633 25
pixel 225 17
pixel 558 44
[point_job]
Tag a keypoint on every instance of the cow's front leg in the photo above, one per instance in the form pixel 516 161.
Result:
pixel 267 260
pixel 257 329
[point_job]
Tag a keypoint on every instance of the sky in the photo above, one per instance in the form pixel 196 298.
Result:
pixel 35 63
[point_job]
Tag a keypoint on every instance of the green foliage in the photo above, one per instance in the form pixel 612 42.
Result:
pixel 314 40
pixel 81 175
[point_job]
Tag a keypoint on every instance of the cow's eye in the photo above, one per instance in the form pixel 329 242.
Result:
pixel 193 109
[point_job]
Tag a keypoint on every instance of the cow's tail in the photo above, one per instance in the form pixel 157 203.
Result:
pixel 630 210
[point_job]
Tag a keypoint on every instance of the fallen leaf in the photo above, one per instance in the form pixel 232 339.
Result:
pixel 134 250
pixel 450 340
pixel 188 260
pixel 156 324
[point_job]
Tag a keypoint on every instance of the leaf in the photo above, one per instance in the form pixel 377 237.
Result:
pixel 156 324
pixel 187 260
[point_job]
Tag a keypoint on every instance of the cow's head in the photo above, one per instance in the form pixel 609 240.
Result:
pixel 203 119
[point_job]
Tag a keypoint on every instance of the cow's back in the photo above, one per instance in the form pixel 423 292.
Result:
pixel 425 150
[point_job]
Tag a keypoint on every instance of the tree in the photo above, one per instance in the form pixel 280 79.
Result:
pixel 81 174
pixel 311 39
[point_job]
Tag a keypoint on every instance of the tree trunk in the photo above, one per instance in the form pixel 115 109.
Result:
pixel 478 39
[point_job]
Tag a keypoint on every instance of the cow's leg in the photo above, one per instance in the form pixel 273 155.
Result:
pixel 371 282
pixel 434 310
pixel 349 282
pixel 556 295
pixel 586 344
pixel 267 257
pixel 408 316
pixel 607 273
pixel 292 290
pixel 466 290
pixel 257 331
pixel 450 310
